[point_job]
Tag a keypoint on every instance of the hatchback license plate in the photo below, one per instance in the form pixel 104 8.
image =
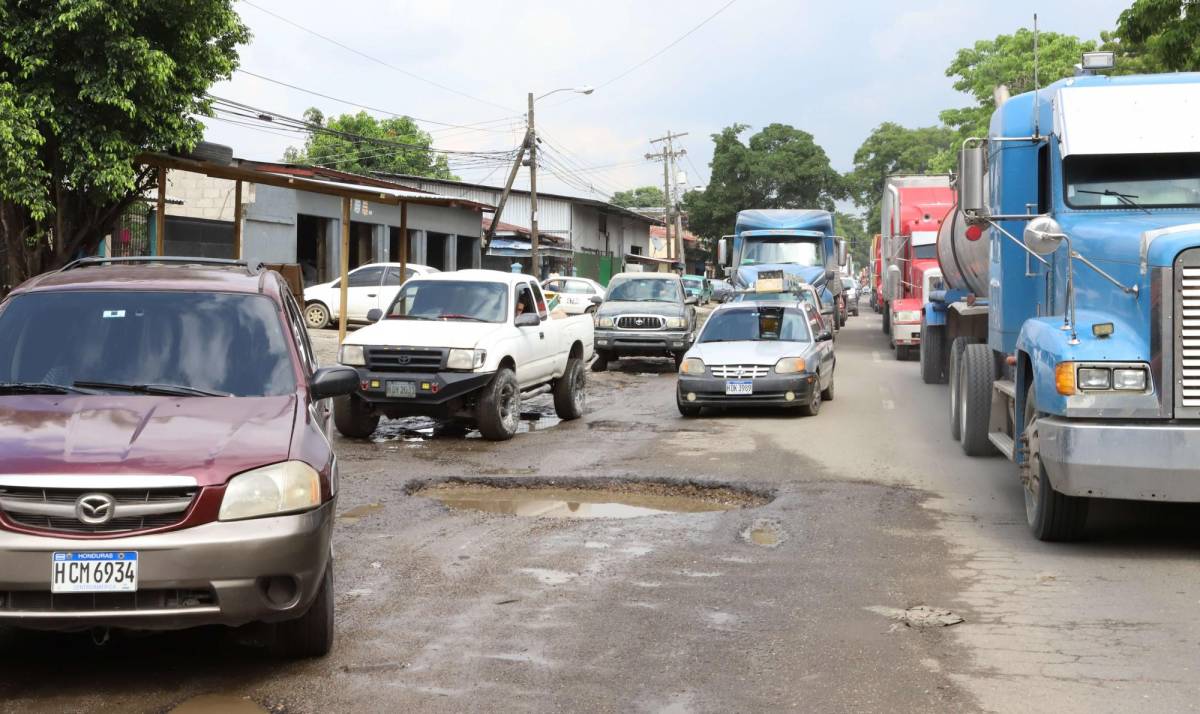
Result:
pixel 401 389
pixel 741 386
pixel 97 571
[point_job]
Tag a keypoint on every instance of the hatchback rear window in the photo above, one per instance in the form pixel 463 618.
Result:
pixel 214 342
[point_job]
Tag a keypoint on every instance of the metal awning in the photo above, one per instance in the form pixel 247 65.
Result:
pixel 510 248
pixel 634 257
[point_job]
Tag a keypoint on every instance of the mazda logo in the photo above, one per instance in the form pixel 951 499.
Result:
pixel 95 508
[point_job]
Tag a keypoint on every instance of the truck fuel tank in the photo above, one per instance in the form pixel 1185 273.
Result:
pixel 963 254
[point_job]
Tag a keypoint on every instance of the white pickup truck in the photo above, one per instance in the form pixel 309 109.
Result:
pixel 464 347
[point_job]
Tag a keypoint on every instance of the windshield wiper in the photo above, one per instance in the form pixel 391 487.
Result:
pixel 39 388
pixel 1126 198
pixel 456 316
pixel 411 317
pixel 171 390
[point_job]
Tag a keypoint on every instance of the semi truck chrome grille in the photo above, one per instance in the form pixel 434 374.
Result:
pixel 1187 335
pixel 740 371
pixel 640 322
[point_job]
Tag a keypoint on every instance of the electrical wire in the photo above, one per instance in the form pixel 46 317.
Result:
pixel 364 55
pixel 698 172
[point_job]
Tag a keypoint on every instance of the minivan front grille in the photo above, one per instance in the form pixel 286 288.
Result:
pixel 1187 331
pixel 397 359
pixel 54 509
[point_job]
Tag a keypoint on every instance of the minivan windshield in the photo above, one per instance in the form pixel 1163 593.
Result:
pixel 755 324
pixel 1133 181
pixel 771 250
pixel 470 301
pixel 164 342
pixel 644 290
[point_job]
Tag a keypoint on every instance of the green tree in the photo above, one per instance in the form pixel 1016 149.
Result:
pixel 857 239
pixel 893 149
pixel 360 143
pixel 1157 36
pixel 639 197
pixel 779 167
pixel 86 85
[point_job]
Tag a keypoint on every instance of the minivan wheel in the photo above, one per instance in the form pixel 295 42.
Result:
pixel 570 391
pixel 311 634
pixel 353 417
pixel 316 316
pixel 499 410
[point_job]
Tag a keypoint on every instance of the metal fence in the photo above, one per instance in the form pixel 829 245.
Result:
pixel 131 235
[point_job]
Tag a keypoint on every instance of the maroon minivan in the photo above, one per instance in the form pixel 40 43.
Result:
pixel 164 452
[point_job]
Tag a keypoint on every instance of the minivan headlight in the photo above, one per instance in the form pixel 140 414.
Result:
pixel 466 359
pixel 352 355
pixel 676 323
pixel 286 487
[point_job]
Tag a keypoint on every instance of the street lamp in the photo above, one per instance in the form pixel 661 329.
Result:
pixel 531 138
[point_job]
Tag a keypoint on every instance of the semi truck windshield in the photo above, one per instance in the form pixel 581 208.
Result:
pixel 772 250
pixel 1132 181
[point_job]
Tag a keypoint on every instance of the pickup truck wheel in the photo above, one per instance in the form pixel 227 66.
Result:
pixel 316 316
pixel 310 635
pixel 678 357
pixel 975 399
pixel 353 417
pixel 1052 516
pixel 688 410
pixel 570 391
pixel 601 362
pixel 499 410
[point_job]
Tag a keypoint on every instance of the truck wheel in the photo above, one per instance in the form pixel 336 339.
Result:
pixel 887 320
pixel 678 357
pixel 310 635
pixel 688 410
pixel 353 417
pixel 1052 516
pixel 933 354
pixel 499 410
pixel 601 362
pixel 570 391
pixel 813 407
pixel 975 399
pixel 316 316
pixel 956 350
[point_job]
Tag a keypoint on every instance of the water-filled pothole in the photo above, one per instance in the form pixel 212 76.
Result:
pixel 612 500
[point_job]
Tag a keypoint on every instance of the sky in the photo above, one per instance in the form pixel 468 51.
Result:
pixel 834 69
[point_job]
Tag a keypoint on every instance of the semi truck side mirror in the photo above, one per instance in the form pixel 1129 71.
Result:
pixel 972 175
pixel 1043 235
pixel 722 251
pixel 841 253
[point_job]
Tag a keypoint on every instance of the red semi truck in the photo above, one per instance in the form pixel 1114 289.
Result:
pixel 912 211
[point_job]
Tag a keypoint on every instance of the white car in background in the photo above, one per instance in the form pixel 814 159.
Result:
pixel 370 286
pixel 575 294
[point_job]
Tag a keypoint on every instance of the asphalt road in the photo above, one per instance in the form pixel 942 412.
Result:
pixel 873 509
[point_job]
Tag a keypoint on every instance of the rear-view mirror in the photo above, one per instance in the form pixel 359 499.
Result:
pixel 690 300
pixel 596 299
pixel 333 382
pixel 527 319
pixel 374 315
pixel 722 251
pixel 825 336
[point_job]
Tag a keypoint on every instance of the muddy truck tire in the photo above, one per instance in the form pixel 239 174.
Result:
pixel 499 409
pixel 570 391
pixel 353 418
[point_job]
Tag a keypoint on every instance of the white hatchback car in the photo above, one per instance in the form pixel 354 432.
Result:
pixel 369 286
pixel 575 294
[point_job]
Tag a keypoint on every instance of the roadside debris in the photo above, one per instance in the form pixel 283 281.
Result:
pixel 918 616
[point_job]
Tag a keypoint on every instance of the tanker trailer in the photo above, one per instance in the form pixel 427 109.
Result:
pixel 956 312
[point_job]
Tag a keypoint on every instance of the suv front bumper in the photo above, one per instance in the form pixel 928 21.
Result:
pixel 436 393
pixel 234 562
pixel 637 343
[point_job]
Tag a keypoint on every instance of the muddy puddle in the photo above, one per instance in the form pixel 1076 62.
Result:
pixel 217 704
pixel 630 500
pixel 415 430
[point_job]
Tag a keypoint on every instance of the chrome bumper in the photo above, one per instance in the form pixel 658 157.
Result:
pixel 233 560
pixel 1140 462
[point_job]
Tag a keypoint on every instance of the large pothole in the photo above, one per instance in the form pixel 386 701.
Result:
pixel 611 499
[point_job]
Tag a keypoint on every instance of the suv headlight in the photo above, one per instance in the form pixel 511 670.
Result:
pixel 676 323
pixel 692 366
pixel 285 487
pixel 605 322
pixel 352 355
pixel 789 365
pixel 466 359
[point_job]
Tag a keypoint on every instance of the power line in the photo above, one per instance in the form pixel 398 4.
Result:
pixel 698 173
pixel 364 55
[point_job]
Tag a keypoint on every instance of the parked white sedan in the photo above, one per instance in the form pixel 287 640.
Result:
pixel 575 294
pixel 369 286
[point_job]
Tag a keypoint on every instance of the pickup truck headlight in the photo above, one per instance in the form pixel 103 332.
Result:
pixel 908 316
pixel 466 359
pixel 676 323
pixel 352 355
pixel 693 366
pixel 286 487
pixel 790 365
pixel 605 322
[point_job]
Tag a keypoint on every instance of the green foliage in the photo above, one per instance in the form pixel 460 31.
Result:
pixel 86 85
pixel 1157 36
pixel 893 149
pixel 779 167
pixel 639 197
pixel 360 143
pixel 858 240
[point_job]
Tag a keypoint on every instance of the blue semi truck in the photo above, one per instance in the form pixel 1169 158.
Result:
pixel 1070 327
pixel 800 242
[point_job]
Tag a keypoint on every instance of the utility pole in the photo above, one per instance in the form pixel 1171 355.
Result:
pixel 512 175
pixel 533 227
pixel 672 216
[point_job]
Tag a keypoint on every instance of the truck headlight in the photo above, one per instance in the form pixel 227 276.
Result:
pixel 676 323
pixel 286 487
pixel 1094 378
pixel 1133 380
pixel 692 366
pixel 789 365
pixel 466 359
pixel 352 355
pixel 605 322
pixel 908 316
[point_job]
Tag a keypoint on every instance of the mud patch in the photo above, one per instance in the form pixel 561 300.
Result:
pixel 612 500
pixel 218 704
pixel 358 512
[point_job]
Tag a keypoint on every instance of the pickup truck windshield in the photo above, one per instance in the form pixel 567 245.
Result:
pixel 644 290
pixel 1133 181
pixel 770 250
pixel 451 300
pixel 755 324
pixel 147 342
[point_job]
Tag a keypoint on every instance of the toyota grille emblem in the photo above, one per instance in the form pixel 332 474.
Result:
pixel 95 508
pixel 639 322
pixel 404 359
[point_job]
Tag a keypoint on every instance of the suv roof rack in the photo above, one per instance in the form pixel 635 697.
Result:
pixel 162 260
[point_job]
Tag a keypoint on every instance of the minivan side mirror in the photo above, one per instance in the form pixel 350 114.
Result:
pixel 374 315
pixel 329 382
pixel 527 319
